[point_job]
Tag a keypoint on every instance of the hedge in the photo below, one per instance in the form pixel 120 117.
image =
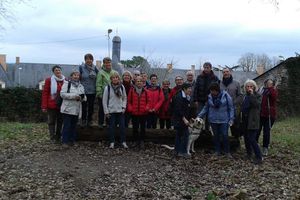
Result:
pixel 21 104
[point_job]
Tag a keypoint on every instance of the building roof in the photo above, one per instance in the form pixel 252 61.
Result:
pixel 4 76
pixel 280 64
pixel 30 74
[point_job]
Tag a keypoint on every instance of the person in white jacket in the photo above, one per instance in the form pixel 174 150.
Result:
pixel 72 93
pixel 114 105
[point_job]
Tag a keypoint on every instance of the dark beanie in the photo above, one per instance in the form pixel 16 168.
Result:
pixel 186 85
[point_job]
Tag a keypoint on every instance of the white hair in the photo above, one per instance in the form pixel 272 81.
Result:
pixel 189 72
pixel 250 82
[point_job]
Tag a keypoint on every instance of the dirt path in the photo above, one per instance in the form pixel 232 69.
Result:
pixel 41 170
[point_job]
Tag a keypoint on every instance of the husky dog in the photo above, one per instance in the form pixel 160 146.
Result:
pixel 195 127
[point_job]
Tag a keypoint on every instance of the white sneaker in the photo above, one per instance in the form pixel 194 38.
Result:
pixel 124 145
pixel 112 145
pixel 265 151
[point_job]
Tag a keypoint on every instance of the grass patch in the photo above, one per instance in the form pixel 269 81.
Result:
pixel 285 134
pixel 16 130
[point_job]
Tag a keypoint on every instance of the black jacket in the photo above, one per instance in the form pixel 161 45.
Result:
pixel 182 108
pixel 203 82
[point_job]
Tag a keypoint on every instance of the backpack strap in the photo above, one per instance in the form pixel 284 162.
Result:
pixel 108 92
pixel 69 86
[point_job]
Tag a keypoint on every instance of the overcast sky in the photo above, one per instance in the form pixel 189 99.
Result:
pixel 187 32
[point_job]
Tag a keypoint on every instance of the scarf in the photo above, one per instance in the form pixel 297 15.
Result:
pixel 92 72
pixel 217 100
pixel 117 90
pixel 166 93
pixel 266 92
pixel 75 83
pixel 53 87
pixel 227 81
pixel 138 90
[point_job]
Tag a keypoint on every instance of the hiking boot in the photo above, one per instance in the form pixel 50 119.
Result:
pixel 184 155
pixel 265 151
pixel 258 161
pixel 100 126
pixel 142 145
pixel 90 124
pixel 83 123
pixel 229 156
pixel 124 145
pixel 112 145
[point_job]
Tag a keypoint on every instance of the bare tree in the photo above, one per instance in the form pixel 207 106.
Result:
pixel 264 61
pixel 7 12
pixel 161 67
pixel 247 62
pixel 250 61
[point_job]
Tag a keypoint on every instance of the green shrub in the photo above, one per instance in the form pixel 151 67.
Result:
pixel 21 104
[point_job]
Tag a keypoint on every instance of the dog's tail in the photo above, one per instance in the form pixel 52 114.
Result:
pixel 167 146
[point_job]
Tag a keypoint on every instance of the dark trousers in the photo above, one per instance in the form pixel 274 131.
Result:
pixel 163 122
pixel 101 115
pixel 234 129
pixel 265 125
pixel 127 119
pixel 55 121
pixel 139 121
pixel 88 107
pixel 181 140
pixel 220 134
pixel 114 119
pixel 251 144
pixel 152 120
pixel 69 129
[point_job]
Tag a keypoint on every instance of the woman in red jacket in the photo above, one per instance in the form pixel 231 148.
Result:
pixel 156 99
pixel 137 105
pixel 267 113
pixel 50 93
pixel 164 114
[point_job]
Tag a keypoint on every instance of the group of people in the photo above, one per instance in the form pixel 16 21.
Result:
pixel 132 98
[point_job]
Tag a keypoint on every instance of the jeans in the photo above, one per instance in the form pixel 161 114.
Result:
pixel 251 144
pixel 69 129
pixel 88 107
pixel 114 119
pixel 55 121
pixel 152 120
pixel 139 121
pixel 266 125
pixel 220 133
pixel 162 123
pixel 181 140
